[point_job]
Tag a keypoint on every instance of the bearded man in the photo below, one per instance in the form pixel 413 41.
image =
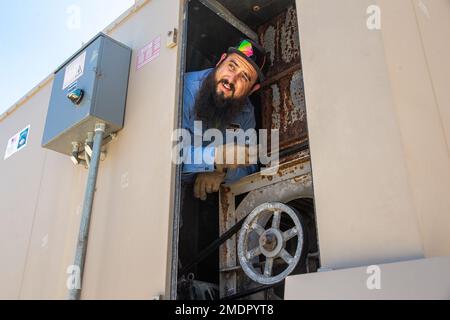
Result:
pixel 219 98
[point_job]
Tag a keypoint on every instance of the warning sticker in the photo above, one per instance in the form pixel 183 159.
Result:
pixel 148 53
pixel 17 142
pixel 74 70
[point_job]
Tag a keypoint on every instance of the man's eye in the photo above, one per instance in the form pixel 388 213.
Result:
pixel 231 67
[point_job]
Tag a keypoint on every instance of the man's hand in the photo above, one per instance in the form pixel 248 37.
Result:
pixel 208 182
pixel 232 156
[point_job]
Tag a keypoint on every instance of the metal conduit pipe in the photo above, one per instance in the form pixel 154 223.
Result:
pixel 80 255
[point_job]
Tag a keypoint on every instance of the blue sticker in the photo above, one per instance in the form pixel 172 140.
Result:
pixel 23 138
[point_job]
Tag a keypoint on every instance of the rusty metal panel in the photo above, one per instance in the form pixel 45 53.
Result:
pixel 280 38
pixel 282 94
pixel 292 181
pixel 227 252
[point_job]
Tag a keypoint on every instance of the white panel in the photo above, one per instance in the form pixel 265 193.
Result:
pixel 364 204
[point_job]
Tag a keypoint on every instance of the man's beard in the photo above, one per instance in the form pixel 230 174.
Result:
pixel 214 109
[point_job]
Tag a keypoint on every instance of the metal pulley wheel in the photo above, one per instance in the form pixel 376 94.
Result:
pixel 269 243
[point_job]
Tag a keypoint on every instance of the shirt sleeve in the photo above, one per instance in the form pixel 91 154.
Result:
pixel 205 157
pixel 197 159
pixel 233 175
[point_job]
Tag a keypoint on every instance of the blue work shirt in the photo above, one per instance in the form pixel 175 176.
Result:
pixel 245 120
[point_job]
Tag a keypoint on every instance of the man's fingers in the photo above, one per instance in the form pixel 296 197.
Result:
pixel 197 188
pixel 207 183
pixel 219 168
pixel 209 187
pixel 203 190
pixel 216 186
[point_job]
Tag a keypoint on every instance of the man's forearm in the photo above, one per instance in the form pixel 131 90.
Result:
pixel 199 159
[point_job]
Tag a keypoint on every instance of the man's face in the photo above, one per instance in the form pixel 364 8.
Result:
pixel 235 77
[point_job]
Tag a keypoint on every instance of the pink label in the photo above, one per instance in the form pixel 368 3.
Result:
pixel 148 53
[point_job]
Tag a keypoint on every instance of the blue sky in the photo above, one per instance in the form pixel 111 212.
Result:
pixel 36 36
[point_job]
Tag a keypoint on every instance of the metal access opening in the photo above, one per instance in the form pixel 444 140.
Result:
pixel 245 240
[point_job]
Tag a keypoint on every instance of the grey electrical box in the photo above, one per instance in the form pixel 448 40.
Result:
pixel 89 87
